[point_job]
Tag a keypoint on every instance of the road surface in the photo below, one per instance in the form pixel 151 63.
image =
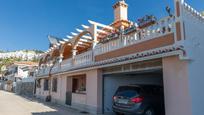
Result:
pixel 11 104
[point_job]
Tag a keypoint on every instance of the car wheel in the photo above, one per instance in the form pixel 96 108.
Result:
pixel 149 111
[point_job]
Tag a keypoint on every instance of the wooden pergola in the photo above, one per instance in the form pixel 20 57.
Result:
pixel 80 41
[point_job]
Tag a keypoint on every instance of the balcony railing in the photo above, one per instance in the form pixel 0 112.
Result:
pixel 79 60
pixel 66 64
pixel 44 71
pixel 161 28
pixel 84 58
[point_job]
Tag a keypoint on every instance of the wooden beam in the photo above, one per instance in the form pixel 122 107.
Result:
pixel 100 25
pixel 79 30
pixel 84 26
pixel 70 37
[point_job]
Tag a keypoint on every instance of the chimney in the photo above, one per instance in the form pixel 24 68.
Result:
pixel 120 10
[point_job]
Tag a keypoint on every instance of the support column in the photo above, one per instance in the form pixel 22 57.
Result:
pixel 74 53
pixel 94 90
pixel 61 58
pixel 94 35
pixel 176 86
pixel 179 35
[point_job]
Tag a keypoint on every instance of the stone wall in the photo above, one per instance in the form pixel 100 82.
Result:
pixel 25 88
pixel 2 85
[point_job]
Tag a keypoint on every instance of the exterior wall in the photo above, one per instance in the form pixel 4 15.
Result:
pixel 59 96
pixel 25 88
pixel 176 86
pixel 8 87
pixel 194 44
pixel 143 46
pixel 91 101
pixel 79 98
pixel 21 73
pixel 94 87
pixel 40 93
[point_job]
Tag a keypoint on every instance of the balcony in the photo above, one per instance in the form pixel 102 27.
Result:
pixel 77 61
pixel 161 28
pixel 130 37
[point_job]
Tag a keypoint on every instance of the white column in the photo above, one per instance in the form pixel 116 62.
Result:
pixel 179 16
pixel 74 53
pixel 94 35
pixel 176 86
pixel 61 58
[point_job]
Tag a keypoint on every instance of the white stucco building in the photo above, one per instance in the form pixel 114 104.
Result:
pixel 85 70
pixel 19 71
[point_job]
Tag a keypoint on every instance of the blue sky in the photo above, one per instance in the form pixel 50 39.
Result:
pixel 25 24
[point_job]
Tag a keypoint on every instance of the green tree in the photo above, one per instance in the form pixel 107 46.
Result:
pixel 202 13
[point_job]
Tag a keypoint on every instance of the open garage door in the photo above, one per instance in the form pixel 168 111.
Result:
pixel 112 81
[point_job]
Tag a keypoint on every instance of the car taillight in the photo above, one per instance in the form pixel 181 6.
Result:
pixel 114 98
pixel 137 99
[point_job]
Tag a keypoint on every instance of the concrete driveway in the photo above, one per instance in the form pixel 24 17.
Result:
pixel 11 104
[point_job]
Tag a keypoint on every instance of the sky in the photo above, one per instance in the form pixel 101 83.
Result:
pixel 25 24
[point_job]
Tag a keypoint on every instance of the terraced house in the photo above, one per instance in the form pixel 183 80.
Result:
pixel 84 70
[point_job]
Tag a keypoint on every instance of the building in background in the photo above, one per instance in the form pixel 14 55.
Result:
pixel 22 55
pixel 16 72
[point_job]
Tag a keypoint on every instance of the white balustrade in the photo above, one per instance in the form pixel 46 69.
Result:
pixel 162 27
pixel 44 71
pixel 66 64
pixel 84 58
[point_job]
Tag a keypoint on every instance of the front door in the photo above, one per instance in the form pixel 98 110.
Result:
pixel 69 91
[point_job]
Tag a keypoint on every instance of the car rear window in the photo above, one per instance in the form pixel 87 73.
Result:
pixel 127 91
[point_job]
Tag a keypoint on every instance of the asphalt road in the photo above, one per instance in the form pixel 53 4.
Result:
pixel 11 104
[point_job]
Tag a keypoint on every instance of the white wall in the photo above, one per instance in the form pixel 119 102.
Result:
pixel 40 93
pixel 194 44
pixel 176 86
pixel 59 96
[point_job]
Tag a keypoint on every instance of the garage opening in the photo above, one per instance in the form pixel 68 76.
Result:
pixel 147 73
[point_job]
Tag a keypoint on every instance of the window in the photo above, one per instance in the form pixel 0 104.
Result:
pixel 79 84
pixel 46 84
pixel 31 74
pixel 54 84
pixel 38 85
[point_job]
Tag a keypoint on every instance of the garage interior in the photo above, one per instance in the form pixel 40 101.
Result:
pixel 146 72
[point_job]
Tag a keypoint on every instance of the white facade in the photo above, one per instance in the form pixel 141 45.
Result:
pixel 194 44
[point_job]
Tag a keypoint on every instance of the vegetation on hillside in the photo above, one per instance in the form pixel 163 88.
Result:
pixel 27 51
pixel 1 51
